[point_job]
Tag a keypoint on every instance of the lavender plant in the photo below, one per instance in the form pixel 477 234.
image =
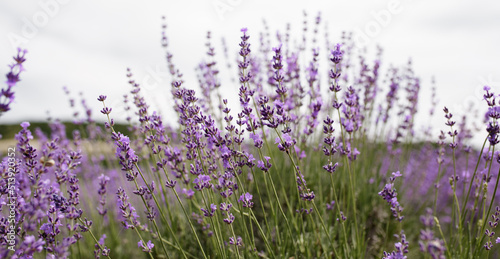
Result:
pixel 7 93
pixel 306 162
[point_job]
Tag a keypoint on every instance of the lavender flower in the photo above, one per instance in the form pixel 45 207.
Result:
pixel 238 241
pixel 148 248
pixel 225 206
pixel 428 243
pixel 7 94
pixel 401 249
pixel 329 206
pixel 31 245
pixel 285 142
pixel 246 200
pixel 188 193
pixel 104 251
pixel 202 182
pixel 124 152
pixel 264 166
pixel 128 213
pixel 103 181
pixel 390 195
pixel 229 219
pixel 209 212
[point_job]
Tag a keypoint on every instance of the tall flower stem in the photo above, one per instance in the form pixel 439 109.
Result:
pixel 93 237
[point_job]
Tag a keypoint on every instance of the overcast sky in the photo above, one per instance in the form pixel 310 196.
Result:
pixel 87 45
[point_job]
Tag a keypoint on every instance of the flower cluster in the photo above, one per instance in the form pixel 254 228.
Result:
pixel 7 94
pixel 203 187
pixel 401 249
pixel 390 195
pixel 246 200
pixel 428 243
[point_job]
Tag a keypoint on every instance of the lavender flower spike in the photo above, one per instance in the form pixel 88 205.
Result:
pixel 246 199
pixel 124 152
pixel 6 94
pixel 390 195
pixel 146 248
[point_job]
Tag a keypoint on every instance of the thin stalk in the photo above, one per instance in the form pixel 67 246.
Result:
pixel 93 237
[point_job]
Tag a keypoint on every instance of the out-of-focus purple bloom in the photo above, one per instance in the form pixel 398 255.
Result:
pixel 30 246
pixel 336 54
pixel 230 218
pixel 209 212
pixel 170 183
pixel 127 211
pixel 238 241
pixel 287 142
pixel 428 243
pixel 225 206
pixel 148 248
pixel 264 166
pixel 342 216
pixel 329 206
pixel 401 249
pixel 304 211
pixel 98 251
pixel 7 94
pixel 246 200
pixel 106 110
pixel 202 182
pixel 103 181
pixel 257 140
pixel 188 192
pixel 493 114
pixel 124 152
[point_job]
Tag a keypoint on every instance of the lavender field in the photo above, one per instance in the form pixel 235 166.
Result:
pixel 320 155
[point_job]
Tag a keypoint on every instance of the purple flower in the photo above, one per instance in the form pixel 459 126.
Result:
pixel 148 248
pixel 170 183
pixel 188 192
pixel 264 166
pixel 229 219
pixel 331 167
pixel 428 243
pixel 7 94
pixel 209 213
pixel 106 110
pixel 287 142
pixel 103 181
pixel 101 240
pixel 30 246
pixel 201 182
pixel 238 241
pixel 257 140
pixel 336 54
pixel 246 199
pixel 105 251
pixel 127 211
pixel 329 206
pixel 401 250
pixel 225 206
